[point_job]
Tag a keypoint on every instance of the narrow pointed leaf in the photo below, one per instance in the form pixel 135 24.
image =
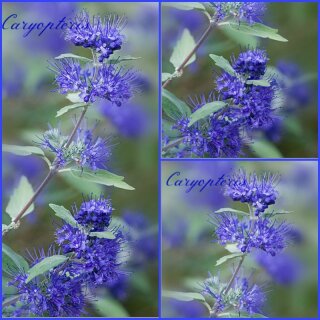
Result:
pixel 21 195
pixel 109 307
pixel 223 210
pixel 12 261
pixel 22 150
pixel 228 257
pixel 66 109
pixel 122 59
pixel 74 97
pixel 103 234
pixel 205 111
pixel 182 49
pixel 64 214
pixel 173 107
pixel 265 149
pixel 73 56
pixel 261 83
pixel 100 176
pixel 45 265
pixel 186 5
pixel 183 296
pixel 222 63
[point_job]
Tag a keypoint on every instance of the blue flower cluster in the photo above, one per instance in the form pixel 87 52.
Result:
pixel 86 151
pixel 104 81
pixel 92 261
pixel 103 35
pixel 56 295
pixel 260 192
pixel 249 106
pixel 242 296
pixel 249 12
pixel 262 233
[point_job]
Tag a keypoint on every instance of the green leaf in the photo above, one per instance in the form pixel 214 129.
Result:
pixel 167 128
pixel 186 5
pixel 257 29
pixel 183 296
pixel 182 49
pixel 261 83
pixel 74 97
pixel 109 307
pixel 11 260
pixel 223 210
pixel 22 150
pixel 70 107
pixel 173 107
pixel 45 265
pixel 243 39
pixel 103 235
pixel 240 315
pixel 205 111
pixel 222 63
pixel 228 257
pixel 232 247
pixel 165 76
pixel 64 214
pixel 73 56
pixel 121 59
pixel 265 149
pixel 100 176
pixel 19 198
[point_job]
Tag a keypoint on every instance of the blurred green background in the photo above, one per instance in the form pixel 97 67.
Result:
pixel 297 22
pixel 189 252
pixel 29 105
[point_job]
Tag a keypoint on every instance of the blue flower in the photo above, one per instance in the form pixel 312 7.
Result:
pixel 53 294
pixel 94 214
pixel 251 63
pixel 103 35
pixel 86 151
pixel 263 233
pixel 105 81
pixel 257 191
pixel 230 87
pixel 250 298
pixel 249 12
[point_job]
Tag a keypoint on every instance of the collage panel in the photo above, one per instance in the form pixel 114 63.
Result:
pixel 80 195
pixel 239 239
pixel 239 80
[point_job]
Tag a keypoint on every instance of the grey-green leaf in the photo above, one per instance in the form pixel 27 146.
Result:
pixel 74 97
pixel 12 261
pixel 257 29
pixel 100 176
pixel 240 315
pixel 222 63
pixel 261 83
pixel 183 296
pixel 109 307
pixel 165 76
pixel 68 108
pixel 182 49
pixel 223 210
pixel 73 56
pixel 186 5
pixel 22 150
pixel 64 214
pixel 228 257
pixel 205 111
pixel 19 198
pixel 45 265
pixel 121 59
pixel 173 107
pixel 232 247
pixel 265 149
pixel 103 234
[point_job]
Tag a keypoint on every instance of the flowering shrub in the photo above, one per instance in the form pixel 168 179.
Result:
pixel 245 234
pixel 244 109
pixel 89 249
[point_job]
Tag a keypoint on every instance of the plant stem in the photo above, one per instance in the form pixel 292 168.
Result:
pixel 10 301
pixel 49 176
pixel 172 144
pixel 193 51
pixel 234 275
